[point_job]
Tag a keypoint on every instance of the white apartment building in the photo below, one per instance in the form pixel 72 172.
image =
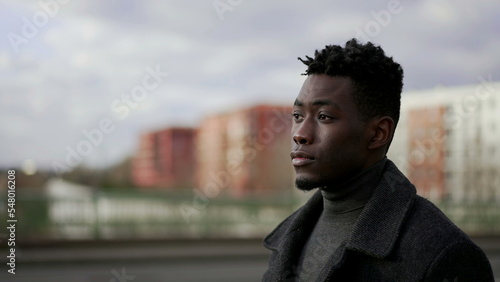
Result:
pixel 448 142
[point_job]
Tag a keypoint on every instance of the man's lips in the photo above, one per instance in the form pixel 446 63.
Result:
pixel 300 158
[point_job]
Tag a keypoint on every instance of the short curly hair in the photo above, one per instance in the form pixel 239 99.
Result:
pixel 377 79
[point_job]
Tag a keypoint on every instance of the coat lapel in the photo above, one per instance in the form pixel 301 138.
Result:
pixel 290 236
pixel 378 227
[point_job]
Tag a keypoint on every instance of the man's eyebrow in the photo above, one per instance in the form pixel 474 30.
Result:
pixel 320 102
pixel 326 103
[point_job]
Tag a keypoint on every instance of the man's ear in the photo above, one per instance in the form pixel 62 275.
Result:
pixel 382 131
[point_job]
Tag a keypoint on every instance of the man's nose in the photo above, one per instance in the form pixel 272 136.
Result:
pixel 302 134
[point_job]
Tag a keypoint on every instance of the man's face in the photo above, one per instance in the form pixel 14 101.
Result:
pixel 329 139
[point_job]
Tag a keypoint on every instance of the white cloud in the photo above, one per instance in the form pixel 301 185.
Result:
pixel 440 12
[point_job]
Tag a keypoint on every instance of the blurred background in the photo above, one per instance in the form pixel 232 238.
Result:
pixel 151 139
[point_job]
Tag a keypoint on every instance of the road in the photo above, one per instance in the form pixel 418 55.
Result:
pixel 144 270
pixel 177 261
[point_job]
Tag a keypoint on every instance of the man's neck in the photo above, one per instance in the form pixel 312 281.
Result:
pixel 355 192
pixel 341 208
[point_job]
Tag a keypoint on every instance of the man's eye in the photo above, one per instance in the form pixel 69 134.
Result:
pixel 296 116
pixel 323 117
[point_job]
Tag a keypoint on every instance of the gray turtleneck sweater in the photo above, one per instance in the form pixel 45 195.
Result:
pixel 341 208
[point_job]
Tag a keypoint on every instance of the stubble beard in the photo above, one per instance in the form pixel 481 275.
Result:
pixel 306 184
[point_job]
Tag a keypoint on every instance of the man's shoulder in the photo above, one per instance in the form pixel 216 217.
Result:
pixel 427 221
pixel 424 221
pixel 430 230
pixel 431 238
pixel 429 244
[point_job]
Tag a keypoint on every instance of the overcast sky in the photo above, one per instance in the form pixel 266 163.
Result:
pixel 65 66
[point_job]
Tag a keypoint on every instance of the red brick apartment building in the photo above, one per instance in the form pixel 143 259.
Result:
pixel 165 159
pixel 245 152
pixel 426 131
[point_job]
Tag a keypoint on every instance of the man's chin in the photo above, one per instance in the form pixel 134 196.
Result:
pixel 305 184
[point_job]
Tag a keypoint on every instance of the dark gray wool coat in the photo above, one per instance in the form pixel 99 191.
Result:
pixel 399 236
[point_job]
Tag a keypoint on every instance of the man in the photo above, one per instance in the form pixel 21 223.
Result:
pixel 365 223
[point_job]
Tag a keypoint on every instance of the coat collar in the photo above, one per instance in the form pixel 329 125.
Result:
pixel 378 226
pixel 288 239
pixel 375 232
pixel 301 221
